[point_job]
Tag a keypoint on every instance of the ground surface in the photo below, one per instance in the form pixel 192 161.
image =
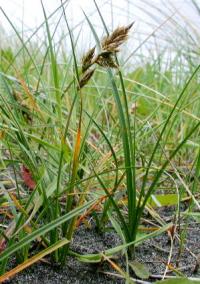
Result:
pixel 154 253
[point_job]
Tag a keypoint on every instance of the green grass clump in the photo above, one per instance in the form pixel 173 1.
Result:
pixel 87 137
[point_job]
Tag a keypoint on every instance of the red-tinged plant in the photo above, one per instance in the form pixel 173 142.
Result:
pixel 2 245
pixel 27 177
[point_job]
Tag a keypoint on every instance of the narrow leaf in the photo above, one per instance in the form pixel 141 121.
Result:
pixel 33 260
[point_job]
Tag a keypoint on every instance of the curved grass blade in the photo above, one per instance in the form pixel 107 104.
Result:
pixel 95 258
pixel 43 230
pixel 32 260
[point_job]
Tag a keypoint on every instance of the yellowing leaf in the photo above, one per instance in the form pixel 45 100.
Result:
pixel 178 281
pixel 32 260
pixel 159 200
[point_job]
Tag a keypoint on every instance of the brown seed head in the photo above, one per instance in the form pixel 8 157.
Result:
pixel 110 45
pixel 116 38
pixel 106 60
pixel 87 59
pixel 85 78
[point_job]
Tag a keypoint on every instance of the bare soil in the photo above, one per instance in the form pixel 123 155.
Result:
pixel 155 253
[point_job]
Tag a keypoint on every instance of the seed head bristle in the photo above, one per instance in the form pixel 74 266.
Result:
pixel 87 59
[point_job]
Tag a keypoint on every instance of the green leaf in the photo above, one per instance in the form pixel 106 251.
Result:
pixel 179 281
pixel 159 200
pixel 32 260
pixel 43 230
pixel 139 269
pixel 95 258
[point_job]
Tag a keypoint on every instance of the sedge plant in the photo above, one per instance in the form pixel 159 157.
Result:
pixel 46 127
pixel 136 199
